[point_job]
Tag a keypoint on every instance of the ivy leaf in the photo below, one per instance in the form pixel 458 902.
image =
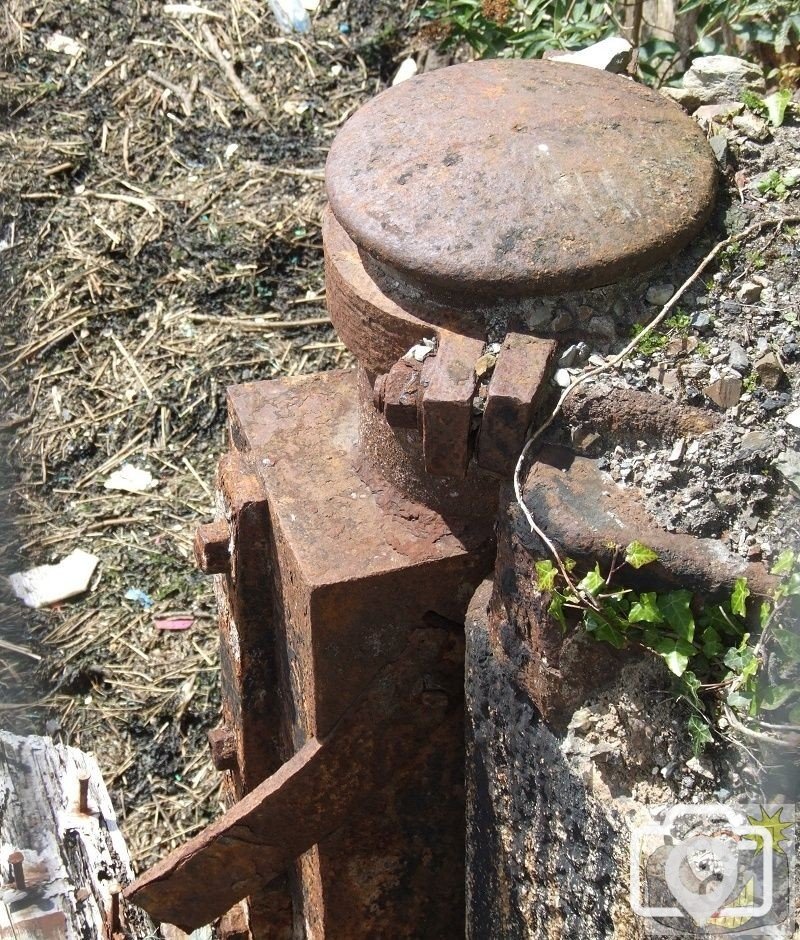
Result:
pixel 675 653
pixel 675 608
pixel 546 574
pixel 638 555
pixel 793 584
pixel 739 597
pixel 691 687
pixel 774 696
pixel 764 613
pixel 700 734
pixel 603 629
pixel 645 610
pixel 712 642
pixel 783 563
pixel 556 609
pixel 592 582
pixel 776 106
pixel 788 642
pixel 736 700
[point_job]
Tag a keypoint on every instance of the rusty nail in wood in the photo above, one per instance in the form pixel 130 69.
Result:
pixel 223 748
pixel 212 547
pixel 114 924
pixel 83 792
pixel 16 859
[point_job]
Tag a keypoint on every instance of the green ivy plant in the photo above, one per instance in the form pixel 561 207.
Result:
pixel 708 647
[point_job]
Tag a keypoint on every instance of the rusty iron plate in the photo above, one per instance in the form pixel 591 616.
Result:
pixel 512 177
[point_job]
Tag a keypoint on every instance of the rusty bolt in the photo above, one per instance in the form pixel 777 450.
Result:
pixel 222 742
pixel 113 923
pixel 83 793
pixel 212 547
pixel 16 859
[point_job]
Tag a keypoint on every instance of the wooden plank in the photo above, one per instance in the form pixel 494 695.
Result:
pixel 72 860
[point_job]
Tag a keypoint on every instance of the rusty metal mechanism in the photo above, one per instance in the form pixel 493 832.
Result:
pixel 359 507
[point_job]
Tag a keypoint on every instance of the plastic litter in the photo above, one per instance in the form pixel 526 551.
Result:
pixel 47 584
pixel 290 15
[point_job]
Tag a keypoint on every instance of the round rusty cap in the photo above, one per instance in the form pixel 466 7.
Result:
pixel 519 177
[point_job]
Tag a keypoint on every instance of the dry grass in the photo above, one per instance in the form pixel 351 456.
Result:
pixel 160 198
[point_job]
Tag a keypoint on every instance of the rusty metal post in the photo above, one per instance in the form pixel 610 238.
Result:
pixel 358 509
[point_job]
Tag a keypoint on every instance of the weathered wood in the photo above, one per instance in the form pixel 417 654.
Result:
pixel 71 861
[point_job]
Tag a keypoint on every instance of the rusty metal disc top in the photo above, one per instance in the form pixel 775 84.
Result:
pixel 518 178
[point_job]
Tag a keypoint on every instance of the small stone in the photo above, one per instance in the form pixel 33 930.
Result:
pixel 702 321
pixel 788 465
pixel 755 553
pixel 693 370
pixel 602 328
pixel 700 766
pixel 749 292
pixel 793 418
pixel 569 356
pixel 719 147
pixel 725 392
pixel 610 55
pixel 676 454
pixel 562 378
pixel 583 439
pixel 659 294
pixel 774 402
pixel 680 345
pixel 769 369
pixel 752 126
pixel 738 358
pixel 755 441
pixel 563 320
pixel 485 364
pixel 707 113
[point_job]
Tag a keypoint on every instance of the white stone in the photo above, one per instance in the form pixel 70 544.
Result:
pixel 408 69
pixel 609 55
pixel 47 584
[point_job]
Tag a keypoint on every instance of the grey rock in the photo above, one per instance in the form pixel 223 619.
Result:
pixel 793 418
pixel 755 441
pixel 719 146
pixel 702 321
pixel 706 114
pixel 562 378
pixel 738 358
pixel 752 126
pixel 715 78
pixel 749 292
pixel 788 465
pixel 659 294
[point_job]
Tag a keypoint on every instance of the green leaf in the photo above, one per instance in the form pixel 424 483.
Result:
pixel 775 696
pixel 793 584
pixel 593 582
pixel 676 610
pixel 736 700
pixel 546 574
pixel 788 641
pixel 753 102
pixel 739 597
pixel 556 609
pixel 764 613
pixel 638 555
pixel 776 106
pixel 602 629
pixel 690 686
pixel 712 642
pixel 645 610
pixel 675 653
pixel 784 562
pixel 700 734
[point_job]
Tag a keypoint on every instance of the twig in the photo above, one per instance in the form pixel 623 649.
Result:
pixel 247 97
pixel 185 98
pixel 737 725
pixel 615 361
pixel 102 75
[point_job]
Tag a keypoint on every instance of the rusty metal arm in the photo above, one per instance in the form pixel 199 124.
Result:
pixel 310 796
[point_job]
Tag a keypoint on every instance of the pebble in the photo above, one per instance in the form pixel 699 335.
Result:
pixel 725 392
pixel 769 369
pixel 676 454
pixel 738 358
pixel 659 294
pixel 749 292
pixel 793 418
pixel 562 378
pixel 702 321
pixel 787 464
pixel 755 441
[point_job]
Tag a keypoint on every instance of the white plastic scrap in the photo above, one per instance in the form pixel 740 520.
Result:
pixel 47 584
pixel 421 351
pixel 58 42
pixel 408 69
pixel 131 479
pixel 290 15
